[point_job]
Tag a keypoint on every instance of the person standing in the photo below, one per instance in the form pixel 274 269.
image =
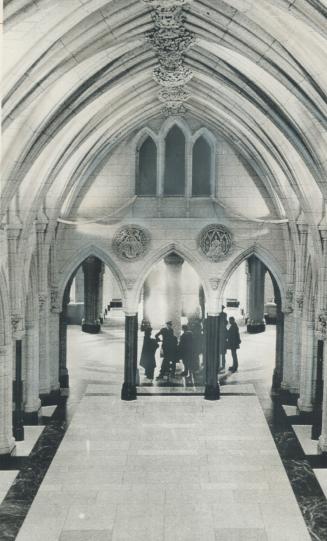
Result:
pixel 169 349
pixel 222 340
pixel 186 351
pixel 148 360
pixel 233 342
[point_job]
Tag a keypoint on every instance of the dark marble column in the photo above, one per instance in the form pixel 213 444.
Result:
pixel 278 370
pixel 318 393
pixel 211 331
pixel 129 386
pixel 257 272
pixel 92 267
pixel 18 421
pixel 63 372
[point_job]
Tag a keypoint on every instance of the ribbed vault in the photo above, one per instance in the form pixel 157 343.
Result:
pixel 71 96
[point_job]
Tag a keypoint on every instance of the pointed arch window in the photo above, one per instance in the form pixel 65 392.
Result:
pixel 201 168
pixel 146 179
pixel 174 173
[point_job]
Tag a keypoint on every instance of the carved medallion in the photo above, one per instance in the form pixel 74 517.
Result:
pixel 130 242
pixel 215 242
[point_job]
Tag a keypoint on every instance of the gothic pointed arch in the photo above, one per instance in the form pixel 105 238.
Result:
pixel 175 166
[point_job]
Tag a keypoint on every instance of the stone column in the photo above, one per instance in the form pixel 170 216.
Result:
pixel 278 370
pixel 18 421
pixel 300 264
pixel 318 394
pixel 100 299
pixel 92 267
pixel 7 442
pixel 54 349
pixel 63 372
pixel 288 341
pixel 305 401
pixel 32 400
pixel 174 290
pixel 79 285
pixel 211 336
pixel 257 272
pixel 130 364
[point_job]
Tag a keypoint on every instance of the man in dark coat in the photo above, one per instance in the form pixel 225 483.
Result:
pixel 169 349
pixel 186 351
pixel 148 361
pixel 222 339
pixel 233 342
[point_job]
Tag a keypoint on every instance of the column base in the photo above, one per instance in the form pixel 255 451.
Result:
pixel 50 399
pixel 316 426
pixel 255 329
pixel 303 407
pixel 31 417
pixel 91 328
pixel 212 392
pixel 322 445
pixel 276 382
pixel 18 433
pixel 128 392
pixel 64 381
pixel 7 450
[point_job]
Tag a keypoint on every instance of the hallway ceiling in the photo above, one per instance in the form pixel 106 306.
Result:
pixel 79 79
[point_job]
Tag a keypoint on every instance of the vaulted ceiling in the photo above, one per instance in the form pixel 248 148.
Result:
pixel 79 79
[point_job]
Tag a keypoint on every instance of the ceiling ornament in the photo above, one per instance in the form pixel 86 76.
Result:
pixel 170 39
pixel 215 242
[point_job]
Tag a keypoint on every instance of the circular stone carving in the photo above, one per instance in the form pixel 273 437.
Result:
pixel 130 242
pixel 215 241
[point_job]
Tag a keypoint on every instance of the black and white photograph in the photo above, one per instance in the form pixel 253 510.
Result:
pixel 163 270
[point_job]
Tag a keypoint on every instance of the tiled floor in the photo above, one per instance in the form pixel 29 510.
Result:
pixel 169 466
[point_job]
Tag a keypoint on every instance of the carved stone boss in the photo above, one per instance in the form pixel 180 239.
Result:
pixel 171 40
pixel 215 242
pixel 130 242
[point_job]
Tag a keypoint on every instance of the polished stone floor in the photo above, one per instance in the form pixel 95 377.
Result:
pixel 169 466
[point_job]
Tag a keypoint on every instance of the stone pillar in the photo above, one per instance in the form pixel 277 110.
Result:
pixel 318 393
pixel 278 370
pixel 174 290
pixel 130 365
pixel 79 285
pixel 288 341
pixel 54 349
pixel 63 372
pixel 32 400
pixel 18 421
pixel 7 442
pixel 257 272
pixel 92 267
pixel 211 335
pixel 100 299
pixel 300 265
pixel 305 401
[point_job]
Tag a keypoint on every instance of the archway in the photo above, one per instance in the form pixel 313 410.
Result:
pixel 172 291
pixel 91 330
pixel 251 294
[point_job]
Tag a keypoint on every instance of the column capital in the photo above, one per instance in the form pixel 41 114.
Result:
pixel 321 326
pixel 323 232
pixel 303 228
pixel 17 326
pixel 13 230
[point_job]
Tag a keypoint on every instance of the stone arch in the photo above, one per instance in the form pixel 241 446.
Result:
pixel 77 259
pixel 266 258
pixel 145 134
pixel 158 255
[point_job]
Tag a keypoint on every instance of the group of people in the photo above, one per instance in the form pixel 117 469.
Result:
pixel 188 349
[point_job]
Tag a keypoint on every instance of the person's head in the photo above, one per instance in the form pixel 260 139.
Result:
pixel 184 328
pixel 169 324
pixel 232 320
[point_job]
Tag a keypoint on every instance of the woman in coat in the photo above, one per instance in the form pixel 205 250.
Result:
pixel 233 342
pixel 186 351
pixel 148 361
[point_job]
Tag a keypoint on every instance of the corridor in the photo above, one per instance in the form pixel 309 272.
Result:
pixel 170 466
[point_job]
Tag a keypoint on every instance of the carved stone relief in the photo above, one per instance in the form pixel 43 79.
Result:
pixel 171 40
pixel 130 242
pixel 215 242
pixel 321 328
